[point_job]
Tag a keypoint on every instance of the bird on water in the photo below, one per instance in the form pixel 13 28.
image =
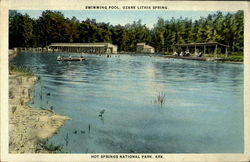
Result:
pixel 102 112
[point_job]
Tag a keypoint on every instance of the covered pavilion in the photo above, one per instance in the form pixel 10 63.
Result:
pixel 205 48
pixel 84 47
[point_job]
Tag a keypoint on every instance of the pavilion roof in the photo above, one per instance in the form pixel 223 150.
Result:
pixel 99 44
pixel 201 44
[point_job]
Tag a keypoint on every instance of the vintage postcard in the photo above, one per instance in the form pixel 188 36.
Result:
pixel 125 80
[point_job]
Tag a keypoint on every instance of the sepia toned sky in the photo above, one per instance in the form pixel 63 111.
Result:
pixel 123 17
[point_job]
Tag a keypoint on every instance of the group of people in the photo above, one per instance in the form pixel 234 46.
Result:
pixel 199 54
pixel 187 53
pixel 70 57
pixel 60 57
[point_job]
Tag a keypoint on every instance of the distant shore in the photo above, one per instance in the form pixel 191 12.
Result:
pixel 203 59
pixel 12 54
pixel 28 127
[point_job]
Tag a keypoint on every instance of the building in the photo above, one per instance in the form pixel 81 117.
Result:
pixel 214 48
pixel 143 48
pixel 84 47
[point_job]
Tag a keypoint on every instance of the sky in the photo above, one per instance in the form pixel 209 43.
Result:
pixel 124 17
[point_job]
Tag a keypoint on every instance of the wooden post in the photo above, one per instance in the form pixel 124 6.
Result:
pixel 215 51
pixel 163 45
pixel 195 50
pixel 204 50
pixel 226 52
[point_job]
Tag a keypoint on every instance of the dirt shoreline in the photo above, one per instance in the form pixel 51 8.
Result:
pixel 28 126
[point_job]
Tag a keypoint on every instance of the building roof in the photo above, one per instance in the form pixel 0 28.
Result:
pixel 148 46
pixel 144 45
pixel 140 43
pixel 82 45
pixel 201 44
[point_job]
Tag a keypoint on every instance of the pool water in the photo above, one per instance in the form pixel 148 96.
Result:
pixel 201 109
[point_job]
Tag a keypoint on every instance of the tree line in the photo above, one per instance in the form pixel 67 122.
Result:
pixel 53 27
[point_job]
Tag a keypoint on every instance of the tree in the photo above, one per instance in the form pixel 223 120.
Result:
pixel 52 26
pixel 20 30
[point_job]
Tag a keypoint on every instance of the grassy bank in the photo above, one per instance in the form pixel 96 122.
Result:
pixel 233 57
pixel 20 69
